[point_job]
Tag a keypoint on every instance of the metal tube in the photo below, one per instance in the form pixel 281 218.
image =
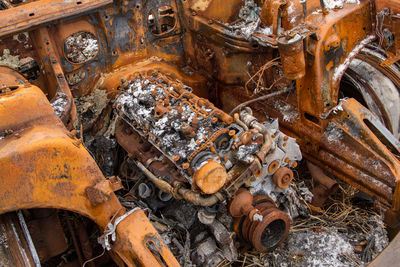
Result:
pixel 186 194
pixel 197 199
pixel 261 98
pixel 28 238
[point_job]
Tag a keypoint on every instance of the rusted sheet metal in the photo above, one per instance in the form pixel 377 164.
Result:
pixel 37 136
pixel 38 12
pixel 52 169
pixel 330 50
pixel 56 85
pixel 346 147
pixel 48 167
pixel 140 244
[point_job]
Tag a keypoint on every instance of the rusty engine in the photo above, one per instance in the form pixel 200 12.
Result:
pixel 198 110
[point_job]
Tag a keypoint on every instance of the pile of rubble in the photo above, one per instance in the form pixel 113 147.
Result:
pixel 348 231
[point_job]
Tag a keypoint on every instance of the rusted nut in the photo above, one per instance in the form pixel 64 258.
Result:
pixel 211 177
pixel 185 166
pixel 187 129
pixel 283 177
pixel 246 138
pixel 160 109
pixel 273 166
pixel 176 158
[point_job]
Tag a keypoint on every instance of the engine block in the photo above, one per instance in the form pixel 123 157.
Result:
pixel 202 141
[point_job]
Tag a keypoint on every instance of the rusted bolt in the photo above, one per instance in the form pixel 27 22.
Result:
pixel 273 166
pixel 214 120
pixel 194 13
pixel 176 158
pixel 210 21
pixel 185 166
pixel 285 138
pixel 231 132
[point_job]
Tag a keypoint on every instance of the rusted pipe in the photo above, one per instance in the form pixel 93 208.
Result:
pixel 266 146
pixel 186 194
pixel 261 98
pixel 163 185
pixel 325 185
pixel 252 122
pixel 199 200
pixel 239 122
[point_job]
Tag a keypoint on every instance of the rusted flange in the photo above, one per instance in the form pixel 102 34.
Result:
pixel 271 231
pixel 283 177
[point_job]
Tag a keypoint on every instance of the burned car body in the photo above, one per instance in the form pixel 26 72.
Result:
pixel 109 109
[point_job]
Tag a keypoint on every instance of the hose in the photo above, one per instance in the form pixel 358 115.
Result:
pixel 239 122
pixel 197 199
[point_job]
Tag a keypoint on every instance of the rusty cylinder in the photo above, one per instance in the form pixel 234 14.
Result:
pixel 292 56
pixel 266 233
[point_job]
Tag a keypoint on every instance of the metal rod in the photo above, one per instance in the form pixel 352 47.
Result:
pixel 261 98
pixel 28 238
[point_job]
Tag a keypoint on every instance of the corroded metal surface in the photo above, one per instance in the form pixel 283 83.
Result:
pixel 211 101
